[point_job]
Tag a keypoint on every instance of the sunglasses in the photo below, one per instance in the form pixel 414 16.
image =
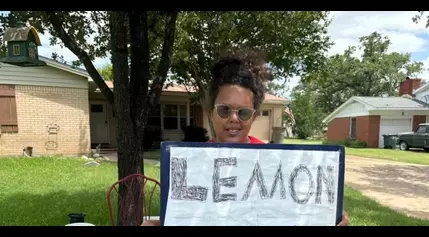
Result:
pixel 225 111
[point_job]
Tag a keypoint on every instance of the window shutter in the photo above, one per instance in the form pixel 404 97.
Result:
pixel 8 114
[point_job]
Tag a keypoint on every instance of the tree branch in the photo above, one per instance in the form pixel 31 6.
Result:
pixel 81 54
pixel 165 62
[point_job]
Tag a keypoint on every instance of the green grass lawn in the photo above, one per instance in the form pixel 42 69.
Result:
pixel 152 155
pixel 415 157
pixel 42 191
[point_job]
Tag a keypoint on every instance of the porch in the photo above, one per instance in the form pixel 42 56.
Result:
pixel 173 113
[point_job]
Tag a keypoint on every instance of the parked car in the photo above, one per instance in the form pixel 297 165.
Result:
pixel 417 139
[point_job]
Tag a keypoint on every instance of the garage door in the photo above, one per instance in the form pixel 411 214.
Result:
pixel 393 126
pixel 261 126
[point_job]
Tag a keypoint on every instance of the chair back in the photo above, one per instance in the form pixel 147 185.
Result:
pixel 136 191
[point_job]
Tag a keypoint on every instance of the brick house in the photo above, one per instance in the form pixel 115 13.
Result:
pixel 57 109
pixel 369 118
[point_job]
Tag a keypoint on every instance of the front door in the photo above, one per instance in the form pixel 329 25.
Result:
pixel 99 124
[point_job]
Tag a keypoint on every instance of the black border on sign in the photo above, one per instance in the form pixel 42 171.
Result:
pixel 165 165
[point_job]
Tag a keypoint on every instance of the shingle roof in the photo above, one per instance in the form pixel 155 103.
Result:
pixel 381 103
pixel 391 102
pixel 177 88
pixel 21 34
pixel 46 59
pixel 180 88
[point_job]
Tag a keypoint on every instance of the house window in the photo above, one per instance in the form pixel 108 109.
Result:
pixel 96 108
pixel 265 113
pixel 182 109
pixel 170 117
pixel 16 50
pixel 352 128
pixel 8 113
pixel 174 117
pixel 426 98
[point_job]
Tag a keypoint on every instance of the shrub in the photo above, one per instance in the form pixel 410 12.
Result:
pixel 152 134
pixel 352 143
pixel 195 134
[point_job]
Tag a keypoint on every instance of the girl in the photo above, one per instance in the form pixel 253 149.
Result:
pixel 236 93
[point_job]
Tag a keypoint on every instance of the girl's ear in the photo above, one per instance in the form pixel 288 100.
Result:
pixel 256 114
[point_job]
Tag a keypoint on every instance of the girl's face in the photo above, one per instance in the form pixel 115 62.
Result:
pixel 233 114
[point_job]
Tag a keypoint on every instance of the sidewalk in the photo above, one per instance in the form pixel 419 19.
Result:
pixel 113 156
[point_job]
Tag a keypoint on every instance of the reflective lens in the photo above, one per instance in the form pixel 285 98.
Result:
pixel 244 114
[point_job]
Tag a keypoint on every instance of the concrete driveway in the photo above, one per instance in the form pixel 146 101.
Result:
pixel 112 155
pixel 401 186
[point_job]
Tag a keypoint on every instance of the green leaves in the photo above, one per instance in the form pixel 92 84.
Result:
pixel 307 113
pixel 295 42
pixel 106 72
pixel 375 72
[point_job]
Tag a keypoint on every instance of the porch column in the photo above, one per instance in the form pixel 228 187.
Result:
pixel 188 113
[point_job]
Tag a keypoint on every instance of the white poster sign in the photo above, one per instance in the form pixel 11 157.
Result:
pixel 218 186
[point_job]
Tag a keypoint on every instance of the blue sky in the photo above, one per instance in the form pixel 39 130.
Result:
pixel 345 29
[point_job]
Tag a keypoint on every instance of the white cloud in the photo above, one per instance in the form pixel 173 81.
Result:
pixel 425 74
pixel 405 35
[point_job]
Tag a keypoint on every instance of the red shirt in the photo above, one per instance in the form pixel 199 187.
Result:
pixel 253 140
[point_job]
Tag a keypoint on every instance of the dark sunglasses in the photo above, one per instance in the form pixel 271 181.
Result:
pixel 225 111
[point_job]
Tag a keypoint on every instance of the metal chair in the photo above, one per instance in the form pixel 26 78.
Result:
pixel 138 194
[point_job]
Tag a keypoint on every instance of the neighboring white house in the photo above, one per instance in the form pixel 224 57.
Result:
pixel 369 118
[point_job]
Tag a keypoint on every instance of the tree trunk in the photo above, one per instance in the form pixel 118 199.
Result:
pixel 133 99
pixel 206 107
pixel 130 149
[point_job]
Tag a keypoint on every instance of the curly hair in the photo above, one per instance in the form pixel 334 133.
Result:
pixel 245 68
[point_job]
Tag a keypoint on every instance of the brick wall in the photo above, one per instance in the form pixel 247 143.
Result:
pixel 407 86
pixel 338 129
pixel 40 108
pixel 368 130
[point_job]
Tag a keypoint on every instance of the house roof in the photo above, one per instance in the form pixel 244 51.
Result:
pixel 21 34
pixel 64 66
pixel 177 88
pixel 391 102
pixel 381 103
pixel 180 88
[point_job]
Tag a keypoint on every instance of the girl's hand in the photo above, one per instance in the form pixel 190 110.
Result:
pixel 345 220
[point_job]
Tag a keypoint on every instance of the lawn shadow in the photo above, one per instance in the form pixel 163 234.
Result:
pixel 52 209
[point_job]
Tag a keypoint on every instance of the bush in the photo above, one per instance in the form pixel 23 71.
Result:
pixel 352 143
pixel 195 134
pixel 151 135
